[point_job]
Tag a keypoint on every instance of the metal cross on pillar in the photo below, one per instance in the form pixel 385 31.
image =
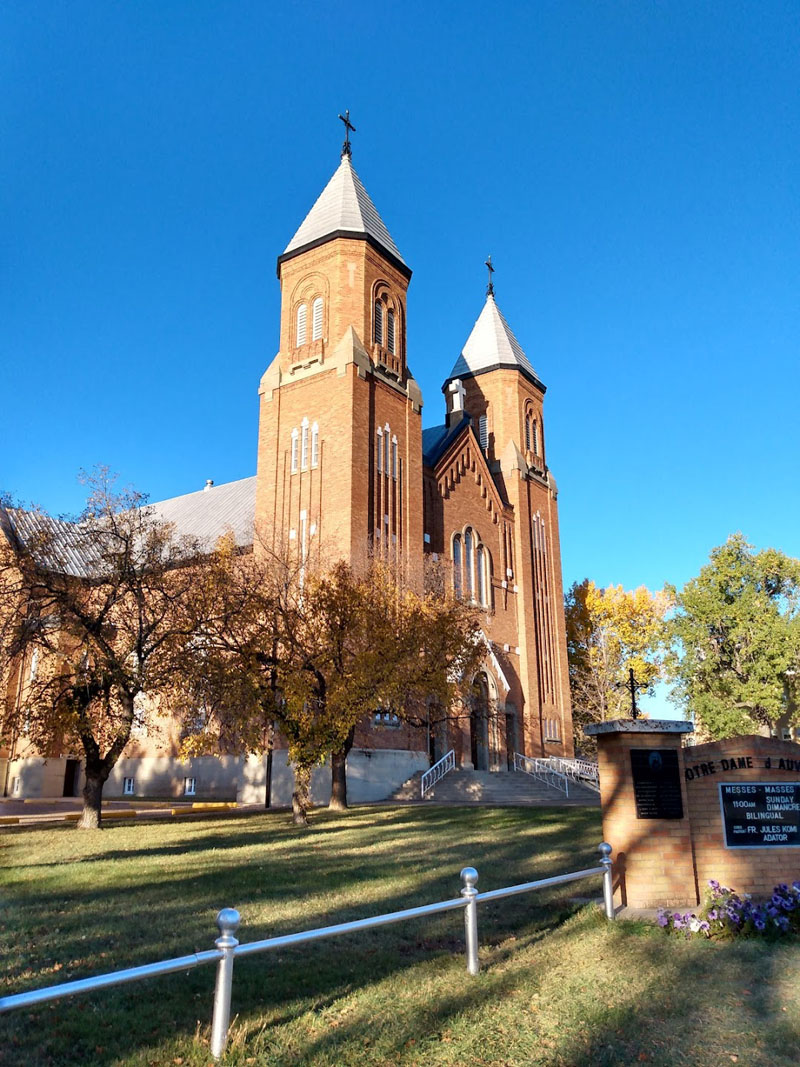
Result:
pixel 632 685
pixel 347 149
pixel 490 268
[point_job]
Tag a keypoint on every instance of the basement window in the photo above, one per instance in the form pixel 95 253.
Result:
pixel 128 787
pixel 189 787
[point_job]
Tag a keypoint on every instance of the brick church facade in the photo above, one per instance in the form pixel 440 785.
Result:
pixel 345 467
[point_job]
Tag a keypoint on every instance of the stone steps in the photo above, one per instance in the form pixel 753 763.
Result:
pixel 498 789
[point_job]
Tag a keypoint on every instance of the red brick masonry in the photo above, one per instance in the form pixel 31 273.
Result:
pixel 669 861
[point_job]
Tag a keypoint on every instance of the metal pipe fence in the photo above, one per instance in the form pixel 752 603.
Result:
pixel 542 769
pixel 228 948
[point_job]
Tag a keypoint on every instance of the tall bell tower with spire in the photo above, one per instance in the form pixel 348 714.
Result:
pixel 339 453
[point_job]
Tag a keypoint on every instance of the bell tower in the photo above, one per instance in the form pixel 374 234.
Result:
pixel 494 383
pixel 339 454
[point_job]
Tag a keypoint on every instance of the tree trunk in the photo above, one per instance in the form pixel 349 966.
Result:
pixel 91 818
pixel 301 795
pixel 338 801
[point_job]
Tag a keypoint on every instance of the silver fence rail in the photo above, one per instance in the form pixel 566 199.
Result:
pixel 543 770
pixel 581 770
pixel 227 947
pixel 435 773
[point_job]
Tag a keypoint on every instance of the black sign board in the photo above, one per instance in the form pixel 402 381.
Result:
pixel 760 814
pixel 656 783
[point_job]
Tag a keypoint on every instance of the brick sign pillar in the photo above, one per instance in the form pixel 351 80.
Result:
pixel 645 811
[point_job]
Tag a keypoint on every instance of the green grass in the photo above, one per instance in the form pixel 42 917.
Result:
pixel 559 985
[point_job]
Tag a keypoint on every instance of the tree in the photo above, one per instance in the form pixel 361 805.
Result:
pixel 315 651
pixel 610 631
pixel 97 609
pixel 737 641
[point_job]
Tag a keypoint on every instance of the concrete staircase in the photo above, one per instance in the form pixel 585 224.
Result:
pixel 496 789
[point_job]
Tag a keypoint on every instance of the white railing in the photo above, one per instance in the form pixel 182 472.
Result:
pixel 435 774
pixel 227 947
pixel 543 770
pixel 580 770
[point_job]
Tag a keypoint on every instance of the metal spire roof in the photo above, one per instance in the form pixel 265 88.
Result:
pixel 343 208
pixel 491 344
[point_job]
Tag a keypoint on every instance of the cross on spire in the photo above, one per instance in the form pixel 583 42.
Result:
pixel 490 268
pixel 348 127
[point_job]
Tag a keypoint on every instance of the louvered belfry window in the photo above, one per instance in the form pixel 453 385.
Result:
pixel 316 319
pixel 378 330
pixel 302 317
pixel 390 330
pixel 483 431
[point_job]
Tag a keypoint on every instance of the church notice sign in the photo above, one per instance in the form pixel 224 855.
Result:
pixel 760 814
pixel 656 783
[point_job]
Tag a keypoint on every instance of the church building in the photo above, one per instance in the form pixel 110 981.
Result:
pixel 344 467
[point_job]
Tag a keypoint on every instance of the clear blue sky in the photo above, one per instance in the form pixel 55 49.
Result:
pixel 633 167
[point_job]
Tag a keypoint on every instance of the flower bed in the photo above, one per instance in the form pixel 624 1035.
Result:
pixel 725 914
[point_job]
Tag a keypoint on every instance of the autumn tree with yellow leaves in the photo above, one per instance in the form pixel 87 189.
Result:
pixel 610 631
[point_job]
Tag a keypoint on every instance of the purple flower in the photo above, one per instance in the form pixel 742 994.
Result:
pixel 663 919
pixel 759 923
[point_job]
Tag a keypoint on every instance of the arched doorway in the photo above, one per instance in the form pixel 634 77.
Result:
pixel 479 723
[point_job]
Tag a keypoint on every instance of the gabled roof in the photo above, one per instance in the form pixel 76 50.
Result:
pixel 209 513
pixel 204 516
pixel 343 209
pixel 436 439
pixel 492 344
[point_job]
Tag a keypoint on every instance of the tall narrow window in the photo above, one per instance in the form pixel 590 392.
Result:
pixel 468 564
pixel 302 316
pixel 483 431
pixel 378 329
pixel 316 319
pixel 295 437
pixel 480 559
pixel 390 330
pixel 380 450
pixel 394 458
pixel 34 665
pixel 457 583
pixel 315 445
pixel 304 445
pixel 528 438
pixel 535 436
pixel 387 435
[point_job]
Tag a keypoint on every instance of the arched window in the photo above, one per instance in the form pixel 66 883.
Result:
pixel 535 437
pixel 480 564
pixel 380 450
pixel 377 335
pixel 316 319
pixel 302 318
pixel 304 444
pixel 457 583
pixel 394 458
pixel 315 445
pixel 295 439
pixel 469 576
pixel 390 330
pixel 387 435
pixel 528 434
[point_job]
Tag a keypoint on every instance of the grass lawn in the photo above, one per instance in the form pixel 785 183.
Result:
pixel 559 985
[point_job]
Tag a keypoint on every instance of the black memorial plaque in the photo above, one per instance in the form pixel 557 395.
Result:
pixel 760 814
pixel 656 783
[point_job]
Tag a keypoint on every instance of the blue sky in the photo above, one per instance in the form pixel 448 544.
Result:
pixel 632 168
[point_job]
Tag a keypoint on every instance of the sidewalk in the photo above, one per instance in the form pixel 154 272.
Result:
pixel 68 809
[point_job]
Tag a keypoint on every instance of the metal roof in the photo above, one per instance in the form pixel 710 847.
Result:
pixel 204 516
pixel 211 512
pixel 343 207
pixel 436 439
pixel 491 344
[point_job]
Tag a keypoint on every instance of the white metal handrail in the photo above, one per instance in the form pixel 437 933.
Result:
pixel 580 770
pixel 543 770
pixel 228 948
pixel 435 774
